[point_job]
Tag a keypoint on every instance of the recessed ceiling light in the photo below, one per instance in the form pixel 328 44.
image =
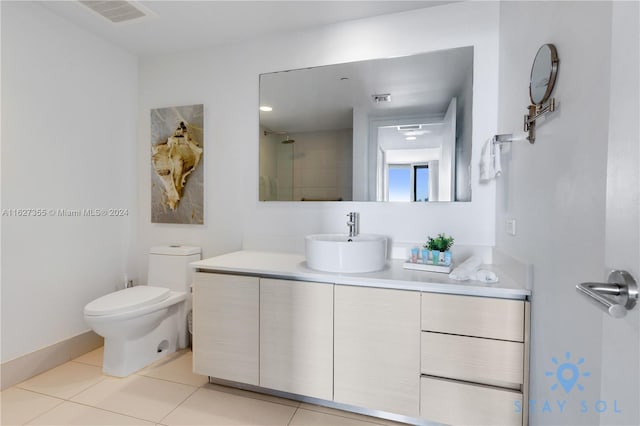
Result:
pixel 416 132
pixel 410 138
pixel 266 108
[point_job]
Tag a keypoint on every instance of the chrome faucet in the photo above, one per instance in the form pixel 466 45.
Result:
pixel 353 224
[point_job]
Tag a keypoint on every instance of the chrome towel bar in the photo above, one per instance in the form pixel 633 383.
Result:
pixel 616 297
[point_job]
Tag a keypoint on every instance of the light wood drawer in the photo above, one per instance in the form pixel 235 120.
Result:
pixel 492 362
pixel 473 316
pixel 457 403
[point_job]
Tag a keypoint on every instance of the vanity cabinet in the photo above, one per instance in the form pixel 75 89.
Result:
pixel 430 357
pixel 377 349
pixel 226 327
pixel 296 337
pixel 474 360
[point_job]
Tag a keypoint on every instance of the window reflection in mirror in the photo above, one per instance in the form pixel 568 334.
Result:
pixel 342 132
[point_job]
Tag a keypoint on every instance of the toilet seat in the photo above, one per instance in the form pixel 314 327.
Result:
pixel 126 300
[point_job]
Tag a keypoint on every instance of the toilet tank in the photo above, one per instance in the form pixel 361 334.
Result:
pixel 169 266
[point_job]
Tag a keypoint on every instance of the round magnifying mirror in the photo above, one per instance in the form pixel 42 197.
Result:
pixel 543 74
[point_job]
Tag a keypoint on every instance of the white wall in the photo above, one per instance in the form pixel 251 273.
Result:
pixel 621 337
pixel 68 142
pixel 555 189
pixel 225 79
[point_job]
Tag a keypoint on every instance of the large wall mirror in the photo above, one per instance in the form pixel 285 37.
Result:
pixel 395 129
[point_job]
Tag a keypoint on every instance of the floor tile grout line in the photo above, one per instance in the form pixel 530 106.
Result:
pixel 293 415
pixel 63 400
pixel 60 402
pixel 168 380
pixel 111 411
pixel 373 420
pixel 230 390
pixel 296 408
pixel 253 397
pixel 170 358
pixel 84 363
pixel 179 404
pixel 37 392
pixel 103 378
pixel 195 388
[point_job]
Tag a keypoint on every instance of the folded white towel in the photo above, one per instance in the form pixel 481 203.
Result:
pixel 467 269
pixel 490 162
pixel 486 276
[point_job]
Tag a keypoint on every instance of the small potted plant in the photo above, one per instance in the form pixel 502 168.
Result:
pixel 440 249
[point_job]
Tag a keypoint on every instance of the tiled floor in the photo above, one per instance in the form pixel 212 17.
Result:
pixel 166 393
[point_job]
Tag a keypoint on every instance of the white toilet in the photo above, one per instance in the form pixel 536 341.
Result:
pixel 144 323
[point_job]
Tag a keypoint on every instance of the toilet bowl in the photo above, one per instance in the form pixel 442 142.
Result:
pixel 145 323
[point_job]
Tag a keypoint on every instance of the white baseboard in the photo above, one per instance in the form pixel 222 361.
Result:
pixel 24 367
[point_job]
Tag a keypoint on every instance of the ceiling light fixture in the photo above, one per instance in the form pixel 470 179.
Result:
pixel 266 108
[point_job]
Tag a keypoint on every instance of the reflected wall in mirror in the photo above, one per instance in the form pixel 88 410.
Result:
pixel 395 129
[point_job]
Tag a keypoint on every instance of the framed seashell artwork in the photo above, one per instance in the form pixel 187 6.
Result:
pixel 177 178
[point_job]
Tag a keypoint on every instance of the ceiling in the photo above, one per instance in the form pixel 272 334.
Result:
pixel 324 98
pixel 179 25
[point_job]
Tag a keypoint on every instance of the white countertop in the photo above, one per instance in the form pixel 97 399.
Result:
pixel 293 266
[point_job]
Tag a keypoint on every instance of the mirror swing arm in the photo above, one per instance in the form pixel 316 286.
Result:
pixel 536 112
pixel 543 77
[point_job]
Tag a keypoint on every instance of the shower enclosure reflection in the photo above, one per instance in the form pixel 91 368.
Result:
pixel 306 166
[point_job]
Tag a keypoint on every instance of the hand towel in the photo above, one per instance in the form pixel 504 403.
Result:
pixel 497 162
pixel 490 162
pixel 467 269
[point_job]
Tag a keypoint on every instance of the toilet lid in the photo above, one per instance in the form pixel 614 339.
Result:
pixel 126 300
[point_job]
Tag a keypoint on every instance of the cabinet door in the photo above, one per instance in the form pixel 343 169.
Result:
pixel 296 337
pixel 226 327
pixel 377 349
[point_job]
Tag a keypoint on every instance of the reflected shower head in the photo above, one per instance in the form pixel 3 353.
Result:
pixel 284 133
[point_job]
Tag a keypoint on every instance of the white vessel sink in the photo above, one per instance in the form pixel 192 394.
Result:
pixel 341 253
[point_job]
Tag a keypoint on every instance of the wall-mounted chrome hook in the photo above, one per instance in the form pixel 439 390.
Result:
pixel 508 138
pixel 617 296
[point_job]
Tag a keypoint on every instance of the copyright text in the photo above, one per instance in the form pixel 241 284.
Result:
pixel 90 212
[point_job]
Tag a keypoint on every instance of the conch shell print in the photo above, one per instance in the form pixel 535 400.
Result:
pixel 173 161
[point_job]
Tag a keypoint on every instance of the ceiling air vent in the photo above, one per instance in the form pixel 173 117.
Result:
pixel 409 127
pixel 381 97
pixel 118 11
